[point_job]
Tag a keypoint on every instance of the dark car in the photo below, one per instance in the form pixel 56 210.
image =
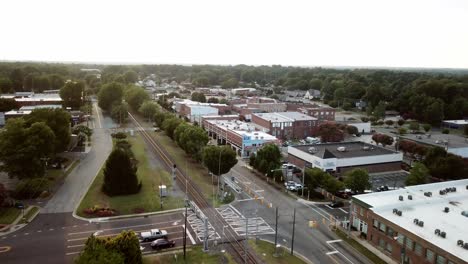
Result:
pixel 336 204
pixel 382 188
pixel 162 243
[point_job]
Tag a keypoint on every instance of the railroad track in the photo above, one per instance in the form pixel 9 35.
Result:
pixel 236 249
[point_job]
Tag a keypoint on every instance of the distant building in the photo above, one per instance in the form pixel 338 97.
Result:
pixel 418 224
pixel 313 94
pixel 286 125
pixel 241 136
pixel 194 111
pixel 361 105
pixel 243 91
pixel 33 99
pixel 345 156
pixel 455 124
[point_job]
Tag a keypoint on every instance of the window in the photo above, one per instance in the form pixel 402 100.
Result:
pixel 418 249
pixel 429 255
pixel 440 259
pixel 381 243
pixel 376 224
pixel 450 262
pixel 390 232
pixel 409 243
pixel 382 227
pixel 389 247
pixel 401 239
pixel 362 212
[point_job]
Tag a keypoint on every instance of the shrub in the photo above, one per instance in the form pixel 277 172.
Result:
pixel 31 188
pixel 105 213
pixel 445 131
pixel 119 135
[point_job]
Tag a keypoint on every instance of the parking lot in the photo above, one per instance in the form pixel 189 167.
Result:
pixel 339 213
pixel 390 179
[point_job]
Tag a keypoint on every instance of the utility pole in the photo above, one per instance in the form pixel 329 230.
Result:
pixel 205 239
pixel 185 229
pixel 276 231
pixel 246 237
pixel 350 213
pixel 294 227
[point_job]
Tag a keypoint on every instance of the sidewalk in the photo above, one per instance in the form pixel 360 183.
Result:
pixel 15 226
pixel 364 243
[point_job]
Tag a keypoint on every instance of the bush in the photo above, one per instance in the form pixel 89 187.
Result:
pixel 445 131
pixel 119 135
pixel 31 188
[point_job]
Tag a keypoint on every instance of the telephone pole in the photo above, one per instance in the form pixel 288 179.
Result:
pixel 293 231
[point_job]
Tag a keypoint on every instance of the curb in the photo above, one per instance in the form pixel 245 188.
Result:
pixel 300 256
pixel 300 200
pixel 111 218
pixel 18 219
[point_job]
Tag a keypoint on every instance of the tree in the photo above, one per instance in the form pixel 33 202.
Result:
pixel 268 158
pixel 56 81
pixel 219 159
pixel 364 119
pixel 135 96
pixel 148 109
pixel 419 174
pixel 72 94
pixel 160 116
pixel 401 122
pixel 178 132
pixel 95 252
pixel 379 110
pixel 357 180
pixel 131 77
pixel 382 139
pixel 58 120
pixel 170 124
pixel 465 130
pixel 198 97
pixel 331 184
pixel 23 150
pixel 5 85
pixel 120 176
pixel 213 100
pixel 119 112
pixel 352 130
pixel 128 245
pixel 314 178
pixel 17 78
pixel 414 126
pixel 331 132
pixel 426 127
pixel 110 94
pixel 3 195
pixel 389 122
pixel 230 83
pixel 192 140
pixel 8 104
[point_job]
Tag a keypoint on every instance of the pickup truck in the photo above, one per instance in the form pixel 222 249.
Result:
pixel 153 234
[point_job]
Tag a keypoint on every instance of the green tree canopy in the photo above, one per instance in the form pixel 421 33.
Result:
pixel 58 120
pixel 72 94
pixel 198 97
pixel 148 109
pixel 135 96
pixel 219 159
pixel 192 140
pixel 170 124
pixel 131 77
pixel 419 174
pixel 268 158
pixel 120 176
pixel 110 94
pixel 8 104
pixel 357 180
pixel 119 112
pixel 96 252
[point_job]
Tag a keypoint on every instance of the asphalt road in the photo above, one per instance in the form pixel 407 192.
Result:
pixel 59 238
pixel 68 196
pixel 319 245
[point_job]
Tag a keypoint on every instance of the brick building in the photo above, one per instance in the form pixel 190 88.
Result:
pixel 286 125
pixel 195 110
pixel 314 110
pixel 241 136
pixel 418 224
pixel 345 156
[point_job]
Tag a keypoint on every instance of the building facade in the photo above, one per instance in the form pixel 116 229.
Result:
pixel 286 125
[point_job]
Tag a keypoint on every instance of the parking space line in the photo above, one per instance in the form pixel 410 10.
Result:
pixel 343 210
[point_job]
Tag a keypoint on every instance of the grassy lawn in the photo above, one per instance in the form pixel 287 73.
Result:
pixel 194 255
pixel 374 258
pixel 195 170
pixel 266 250
pixel 147 200
pixel 30 213
pixel 56 174
pixel 8 215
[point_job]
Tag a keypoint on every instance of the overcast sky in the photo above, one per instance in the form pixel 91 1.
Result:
pixel 394 33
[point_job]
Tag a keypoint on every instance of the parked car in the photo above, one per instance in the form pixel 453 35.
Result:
pixel 153 234
pixel 289 183
pixel 382 188
pixel 162 243
pixel 336 204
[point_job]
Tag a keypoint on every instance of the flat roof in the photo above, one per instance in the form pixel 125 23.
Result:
pixel 241 128
pixel 427 209
pixel 286 116
pixel 32 107
pixel 352 149
pixel 457 122
pixel 14 112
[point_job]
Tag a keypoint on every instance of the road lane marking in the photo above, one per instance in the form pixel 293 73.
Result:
pixel 26 234
pixel 343 210
pixel 75 226
pixel 51 229
pixel 72 253
pixel 334 241
pixel 117 228
pixel 114 234
pixel 97 114
pixel 39 231
pixel 190 236
pixel 332 252
pixel 5 249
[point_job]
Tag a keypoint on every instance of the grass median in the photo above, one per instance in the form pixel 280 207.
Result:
pixel 147 200
pixel 8 215
pixel 266 251
pixel 371 256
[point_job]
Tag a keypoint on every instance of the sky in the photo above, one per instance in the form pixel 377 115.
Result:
pixel 388 33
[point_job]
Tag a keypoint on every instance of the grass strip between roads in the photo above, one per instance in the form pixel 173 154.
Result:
pixel 195 254
pixel 266 250
pixel 366 252
pixel 147 200
pixel 8 215
pixel 29 214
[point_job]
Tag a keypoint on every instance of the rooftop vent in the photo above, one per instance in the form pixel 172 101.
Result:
pixel 443 234
pixel 465 246
pixel 460 243
pixel 399 213
pixel 428 194
pixel 437 232
pixel 400 197
pixel 410 197
pixel 395 210
pixel 442 192
pixel 446 210
pixel 416 221
pixel 341 149
pixel 421 223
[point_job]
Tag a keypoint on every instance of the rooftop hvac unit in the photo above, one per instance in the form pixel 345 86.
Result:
pixel 410 197
pixel 465 246
pixel 400 197
pixel 341 149
pixel 399 213
pixel 446 210
pixel 395 210
pixel 460 243
pixel 421 223
pixel 437 231
pixel 442 192
pixel 467 187
pixel 443 234
pixel 428 194
pixel 416 221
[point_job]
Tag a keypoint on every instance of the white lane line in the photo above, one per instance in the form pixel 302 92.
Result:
pixel 344 211
pixel 26 234
pixel 334 241
pixel 51 229
pixel 190 236
pixel 39 231
pixel 97 114
pixel 332 252
pixel 75 226
pixel 81 245
pixel 114 234
pixel 117 228
pixel 73 253
pixel 329 206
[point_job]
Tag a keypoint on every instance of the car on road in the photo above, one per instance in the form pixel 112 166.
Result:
pixel 382 188
pixel 336 204
pixel 153 234
pixel 162 243
pixel 293 186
